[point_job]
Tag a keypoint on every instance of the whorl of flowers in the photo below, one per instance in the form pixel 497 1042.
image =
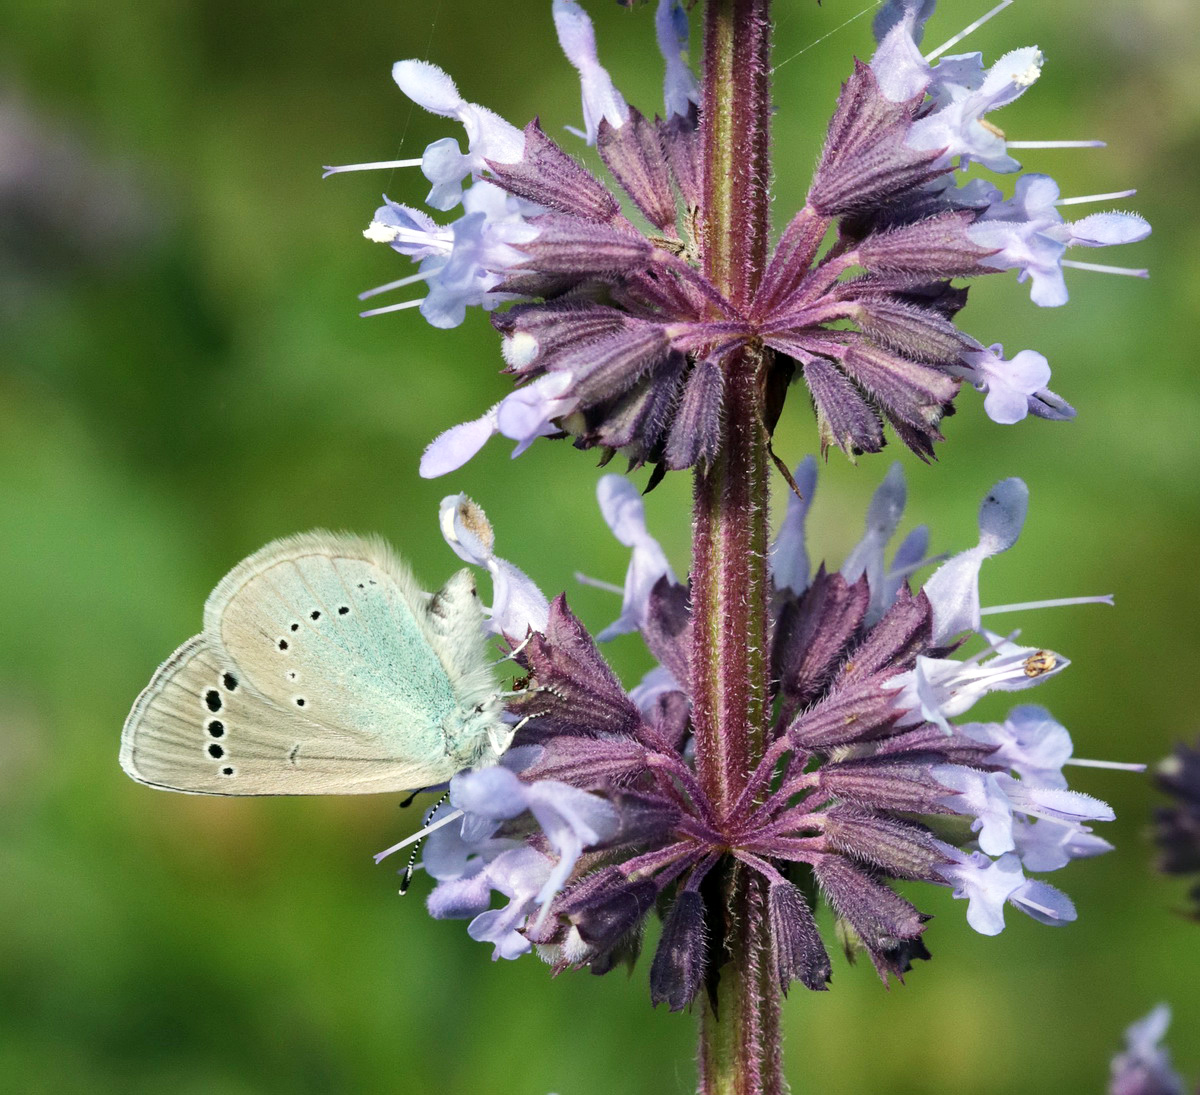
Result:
pixel 615 337
pixel 596 817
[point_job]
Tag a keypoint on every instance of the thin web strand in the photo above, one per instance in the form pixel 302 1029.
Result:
pixel 843 26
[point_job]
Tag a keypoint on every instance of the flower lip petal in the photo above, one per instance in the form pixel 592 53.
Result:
pixel 428 86
pixel 494 793
pixel 1108 229
pixel 452 448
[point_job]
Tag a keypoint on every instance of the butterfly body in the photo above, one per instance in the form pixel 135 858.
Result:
pixel 322 668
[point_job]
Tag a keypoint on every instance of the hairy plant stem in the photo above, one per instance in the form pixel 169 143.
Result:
pixel 739 1030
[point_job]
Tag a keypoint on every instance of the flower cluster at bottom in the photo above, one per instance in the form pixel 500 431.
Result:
pixel 597 816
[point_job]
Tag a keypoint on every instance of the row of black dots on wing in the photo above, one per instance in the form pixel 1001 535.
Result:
pixel 215 727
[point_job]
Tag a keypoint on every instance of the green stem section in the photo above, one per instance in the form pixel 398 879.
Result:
pixel 739 1035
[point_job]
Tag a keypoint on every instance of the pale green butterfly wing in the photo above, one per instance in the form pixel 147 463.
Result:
pixel 347 679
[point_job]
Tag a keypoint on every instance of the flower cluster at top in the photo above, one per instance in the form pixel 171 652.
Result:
pixel 615 337
pixel 1177 827
pixel 596 816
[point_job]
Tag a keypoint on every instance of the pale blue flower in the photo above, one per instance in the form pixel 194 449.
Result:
pixel 961 100
pixel 680 89
pixel 993 797
pixel 961 89
pixel 523 415
pixel 938 689
pixel 489 137
pixel 1046 844
pixel 461 263
pixel 898 65
pixel 1029 742
pixel 601 100
pixel 518 605
pixel 987 884
pixel 883 518
pixel 570 819
pixel 788 556
pixel 1008 384
pixel 625 514
pixel 1029 235
pixel 953 589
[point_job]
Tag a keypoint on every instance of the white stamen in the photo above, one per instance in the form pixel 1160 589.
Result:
pixel 392 308
pixel 1097 197
pixel 378 165
pixel 1036 811
pixel 904 572
pixel 596 583
pixel 952 42
pixel 1127 271
pixel 992 648
pixel 392 285
pixel 1058 602
pixel 1118 765
pixel 1057 144
pixel 420 834
pixel 1040 908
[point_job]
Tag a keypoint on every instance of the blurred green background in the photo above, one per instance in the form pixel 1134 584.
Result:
pixel 184 378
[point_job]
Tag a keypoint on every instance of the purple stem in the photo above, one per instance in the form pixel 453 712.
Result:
pixel 739 1033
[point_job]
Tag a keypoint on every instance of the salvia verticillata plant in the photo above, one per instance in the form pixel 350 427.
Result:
pixel 801 739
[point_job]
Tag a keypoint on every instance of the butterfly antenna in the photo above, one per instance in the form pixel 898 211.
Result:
pixel 406 878
pixel 410 800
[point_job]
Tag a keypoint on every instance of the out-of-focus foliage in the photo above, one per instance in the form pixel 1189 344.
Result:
pixel 184 377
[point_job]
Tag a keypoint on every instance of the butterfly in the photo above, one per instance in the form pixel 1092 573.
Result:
pixel 322 668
